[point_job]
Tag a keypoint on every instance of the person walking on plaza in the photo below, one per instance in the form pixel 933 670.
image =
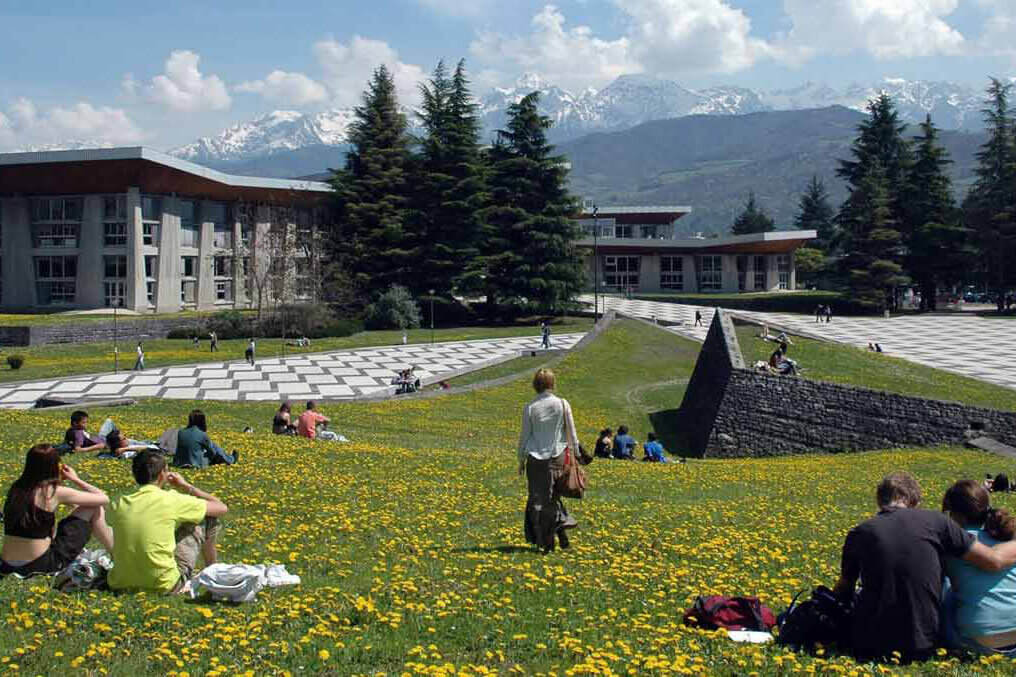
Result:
pixel 828 313
pixel 249 353
pixel 548 433
pixel 545 333
pixel 698 318
pixel 139 364
pixel 818 313
pixel 213 341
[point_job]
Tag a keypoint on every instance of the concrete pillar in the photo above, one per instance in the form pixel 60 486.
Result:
pixel 18 264
pixel 649 273
pixel 261 257
pixel 772 274
pixel 690 272
pixel 729 272
pixel 206 271
pixel 239 289
pixel 749 277
pixel 793 272
pixel 89 291
pixel 167 289
pixel 137 293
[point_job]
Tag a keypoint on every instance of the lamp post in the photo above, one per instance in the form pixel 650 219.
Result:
pixel 116 344
pixel 432 316
pixel 596 266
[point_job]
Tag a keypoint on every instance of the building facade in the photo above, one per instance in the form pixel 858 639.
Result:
pixel 138 229
pixel 636 249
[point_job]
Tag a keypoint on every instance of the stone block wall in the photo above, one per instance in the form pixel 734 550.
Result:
pixel 91 331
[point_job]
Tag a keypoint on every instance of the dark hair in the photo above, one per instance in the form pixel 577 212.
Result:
pixel 1000 483
pixel 310 404
pixel 42 470
pixel 284 407
pixel 970 500
pixel 115 440
pixel 78 416
pixel 650 437
pixel 898 487
pixel 147 466
pixel 198 420
pixel 622 430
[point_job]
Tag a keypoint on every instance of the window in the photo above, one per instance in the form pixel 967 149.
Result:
pixel 188 291
pixel 222 238
pixel 54 235
pixel 113 294
pixel 56 209
pixel 783 268
pixel 54 293
pixel 649 232
pixel 760 272
pixel 621 271
pixel 56 267
pixel 115 266
pixel 245 233
pixel 114 234
pixel 151 209
pixel 710 273
pixel 190 229
pixel 150 233
pixel 671 272
pixel 622 230
pixel 151 267
pixel 55 279
pixel 224 290
pixel 114 208
pixel 188 266
pixel 150 291
pixel 742 273
pixel 223 266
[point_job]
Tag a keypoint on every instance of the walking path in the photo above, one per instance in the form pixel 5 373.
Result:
pixel 347 374
pixel 974 346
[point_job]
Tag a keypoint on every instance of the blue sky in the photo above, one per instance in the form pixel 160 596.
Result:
pixel 162 73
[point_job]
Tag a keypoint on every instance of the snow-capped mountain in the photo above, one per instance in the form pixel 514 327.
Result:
pixel 628 101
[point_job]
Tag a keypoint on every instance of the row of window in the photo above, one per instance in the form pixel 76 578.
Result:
pixel 622 272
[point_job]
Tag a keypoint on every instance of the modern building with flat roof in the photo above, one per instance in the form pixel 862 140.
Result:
pixel 637 249
pixel 143 230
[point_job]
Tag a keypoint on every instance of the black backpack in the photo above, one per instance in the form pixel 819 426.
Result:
pixel 821 619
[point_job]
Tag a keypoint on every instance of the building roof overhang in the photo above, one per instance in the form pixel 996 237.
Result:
pixel 113 170
pixel 776 242
pixel 639 214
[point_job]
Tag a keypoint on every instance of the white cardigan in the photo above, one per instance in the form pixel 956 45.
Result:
pixel 547 428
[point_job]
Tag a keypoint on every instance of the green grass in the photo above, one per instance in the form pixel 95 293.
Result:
pixel 66 359
pixel 409 542
pixel 519 365
pixel 838 363
pixel 50 319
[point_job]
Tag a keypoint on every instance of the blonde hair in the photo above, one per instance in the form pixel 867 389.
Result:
pixel 543 380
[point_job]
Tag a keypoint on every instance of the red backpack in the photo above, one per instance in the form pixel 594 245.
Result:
pixel 732 613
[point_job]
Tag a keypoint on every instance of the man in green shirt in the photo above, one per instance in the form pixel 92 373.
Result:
pixel 158 534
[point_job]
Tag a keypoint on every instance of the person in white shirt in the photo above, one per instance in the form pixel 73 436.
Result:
pixel 139 364
pixel 547 430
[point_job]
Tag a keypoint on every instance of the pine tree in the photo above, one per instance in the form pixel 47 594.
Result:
pixel 937 252
pixel 871 241
pixel 449 188
pixel 530 258
pixel 373 243
pixel 753 219
pixel 990 207
pixel 817 214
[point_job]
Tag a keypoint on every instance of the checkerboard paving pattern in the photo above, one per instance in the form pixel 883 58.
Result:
pixel 978 347
pixel 337 375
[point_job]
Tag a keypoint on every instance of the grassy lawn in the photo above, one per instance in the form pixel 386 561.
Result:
pixel 71 358
pixel 409 542
pixel 48 319
pixel 838 363
pixel 520 365
pixel 766 302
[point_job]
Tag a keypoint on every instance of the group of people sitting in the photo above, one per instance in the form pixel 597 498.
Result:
pixel 930 578
pixel 406 381
pixel 311 424
pixel 874 347
pixel 155 536
pixel 778 362
pixel 622 446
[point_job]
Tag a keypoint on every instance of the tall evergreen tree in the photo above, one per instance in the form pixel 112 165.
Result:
pixel 753 219
pixel 936 246
pixel 990 207
pixel 871 241
pixel 530 256
pixel 815 213
pixel 373 243
pixel 449 187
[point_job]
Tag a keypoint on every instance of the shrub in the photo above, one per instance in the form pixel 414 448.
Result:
pixel 182 333
pixel 15 361
pixel 310 320
pixel 229 324
pixel 394 309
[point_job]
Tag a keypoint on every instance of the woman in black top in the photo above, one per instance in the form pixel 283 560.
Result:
pixel 282 424
pixel 33 542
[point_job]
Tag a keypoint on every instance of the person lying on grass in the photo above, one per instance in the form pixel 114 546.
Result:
pixel 158 534
pixel 899 556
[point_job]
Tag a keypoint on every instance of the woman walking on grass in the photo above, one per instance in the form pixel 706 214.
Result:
pixel 547 430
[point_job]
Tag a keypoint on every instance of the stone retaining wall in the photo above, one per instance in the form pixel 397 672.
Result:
pixel 91 331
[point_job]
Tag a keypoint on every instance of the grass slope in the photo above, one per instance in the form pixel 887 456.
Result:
pixel 410 547
pixel 838 363
pixel 67 359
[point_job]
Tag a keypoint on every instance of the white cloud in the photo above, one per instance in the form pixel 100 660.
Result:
pixel 24 125
pixel 571 57
pixel 999 28
pixel 183 87
pixel 294 89
pixel 348 67
pixel 459 8
pixel 886 30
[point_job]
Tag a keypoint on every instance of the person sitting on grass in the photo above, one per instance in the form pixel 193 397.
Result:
pixel 979 608
pixel 77 437
pixel 306 425
pixel 624 444
pixel 654 452
pixel 34 543
pixel 159 534
pixel 899 557
pixel 604 443
pixel 194 449
pixel 282 424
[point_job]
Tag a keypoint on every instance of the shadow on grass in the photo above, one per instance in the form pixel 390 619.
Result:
pixel 673 435
pixel 502 549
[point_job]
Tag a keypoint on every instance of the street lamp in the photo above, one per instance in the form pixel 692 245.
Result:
pixel 117 301
pixel 432 316
pixel 596 266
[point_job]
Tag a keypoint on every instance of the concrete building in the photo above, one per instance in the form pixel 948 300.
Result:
pixel 152 233
pixel 637 249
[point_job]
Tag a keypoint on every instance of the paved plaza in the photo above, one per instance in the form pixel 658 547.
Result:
pixel 980 347
pixel 335 375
